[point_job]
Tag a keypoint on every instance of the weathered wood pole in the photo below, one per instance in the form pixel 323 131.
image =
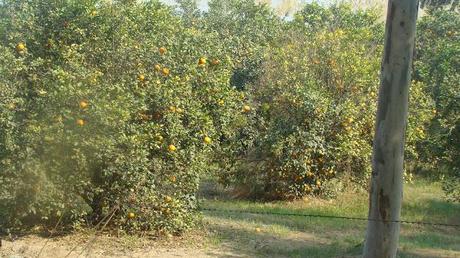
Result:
pixel 385 196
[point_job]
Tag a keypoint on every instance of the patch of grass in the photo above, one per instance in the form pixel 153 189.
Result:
pixel 295 236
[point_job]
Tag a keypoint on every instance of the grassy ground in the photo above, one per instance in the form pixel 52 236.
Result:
pixel 291 236
pixel 226 234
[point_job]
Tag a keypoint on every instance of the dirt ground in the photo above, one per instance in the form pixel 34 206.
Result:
pixel 196 245
pixel 83 245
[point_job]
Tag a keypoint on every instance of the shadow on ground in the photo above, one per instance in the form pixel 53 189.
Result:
pixel 251 235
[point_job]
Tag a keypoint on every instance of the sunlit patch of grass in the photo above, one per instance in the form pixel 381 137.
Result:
pixel 297 236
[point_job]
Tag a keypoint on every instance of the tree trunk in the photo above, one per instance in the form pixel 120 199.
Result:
pixel 388 150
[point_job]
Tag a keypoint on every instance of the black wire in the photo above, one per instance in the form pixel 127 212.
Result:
pixel 329 217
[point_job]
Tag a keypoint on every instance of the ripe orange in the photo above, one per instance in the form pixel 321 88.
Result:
pixel 172 179
pixel 80 122
pixel 168 199
pixel 162 50
pixel 20 47
pixel 172 109
pixel 207 140
pixel 141 77
pixel 83 104
pixel 165 71
pixel 246 108
pixel 131 215
pixel 172 148
pixel 202 61
pixel 157 67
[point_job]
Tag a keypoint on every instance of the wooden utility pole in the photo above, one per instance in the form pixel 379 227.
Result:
pixel 388 151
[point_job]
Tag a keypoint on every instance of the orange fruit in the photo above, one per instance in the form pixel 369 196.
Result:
pixel 172 179
pixel 20 47
pixel 246 108
pixel 172 148
pixel 221 102
pixel 172 109
pixel 131 215
pixel 207 140
pixel 165 71
pixel 202 61
pixel 141 77
pixel 83 104
pixel 162 50
pixel 157 67
pixel 215 62
pixel 80 122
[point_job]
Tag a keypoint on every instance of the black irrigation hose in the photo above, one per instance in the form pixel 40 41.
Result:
pixel 328 217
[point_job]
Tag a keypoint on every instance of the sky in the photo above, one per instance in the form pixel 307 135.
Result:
pixel 203 3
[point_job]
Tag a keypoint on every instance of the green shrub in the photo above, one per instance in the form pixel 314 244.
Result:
pixel 437 65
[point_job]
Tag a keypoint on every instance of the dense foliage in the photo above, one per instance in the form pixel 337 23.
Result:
pixel 437 65
pixel 314 103
pixel 106 110
pixel 116 109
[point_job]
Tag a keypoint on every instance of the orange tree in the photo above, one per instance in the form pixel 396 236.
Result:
pixel 245 29
pixel 437 65
pixel 108 110
pixel 313 106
